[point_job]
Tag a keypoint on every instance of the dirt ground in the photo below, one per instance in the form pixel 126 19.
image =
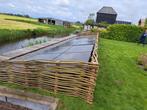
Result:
pixel 8 106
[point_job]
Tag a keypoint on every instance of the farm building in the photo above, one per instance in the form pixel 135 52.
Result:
pixel 43 20
pixel 67 23
pixel 106 14
pixel 141 22
pixel 122 22
pixel 54 22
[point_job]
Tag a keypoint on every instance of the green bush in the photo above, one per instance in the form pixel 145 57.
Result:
pixel 94 30
pixel 89 22
pixel 130 33
pixel 103 24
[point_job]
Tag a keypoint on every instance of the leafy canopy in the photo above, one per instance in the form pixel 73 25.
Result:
pixel 89 22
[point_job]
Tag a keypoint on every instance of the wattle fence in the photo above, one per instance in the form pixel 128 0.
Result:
pixel 73 78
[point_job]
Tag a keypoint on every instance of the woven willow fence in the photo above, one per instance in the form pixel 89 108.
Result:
pixel 73 78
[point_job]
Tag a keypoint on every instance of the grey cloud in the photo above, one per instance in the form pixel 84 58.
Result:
pixel 75 9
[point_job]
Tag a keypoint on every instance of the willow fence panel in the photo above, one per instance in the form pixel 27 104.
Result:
pixel 73 78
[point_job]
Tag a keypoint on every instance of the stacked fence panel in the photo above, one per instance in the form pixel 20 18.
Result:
pixel 73 78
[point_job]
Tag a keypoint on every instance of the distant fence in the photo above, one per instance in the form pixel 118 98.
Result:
pixel 73 78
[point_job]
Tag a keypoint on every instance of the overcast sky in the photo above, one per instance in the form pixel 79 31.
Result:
pixel 75 10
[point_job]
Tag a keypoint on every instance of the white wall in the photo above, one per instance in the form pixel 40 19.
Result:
pixel 58 22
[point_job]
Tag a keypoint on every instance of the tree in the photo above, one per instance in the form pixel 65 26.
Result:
pixel 78 22
pixel 90 22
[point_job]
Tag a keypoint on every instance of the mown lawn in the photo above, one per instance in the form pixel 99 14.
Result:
pixel 121 83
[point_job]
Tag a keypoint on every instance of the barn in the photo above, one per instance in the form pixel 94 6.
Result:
pixel 50 21
pixel 106 14
pixel 53 21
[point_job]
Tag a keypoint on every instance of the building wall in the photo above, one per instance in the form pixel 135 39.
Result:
pixel 66 24
pixel 54 22
pixel 43 21
pixel 87 27
pixel 59 22
pixel 122 22
pixel 109 18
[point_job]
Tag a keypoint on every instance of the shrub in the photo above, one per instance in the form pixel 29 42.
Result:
pixel 90 22
pixel 142 60
pixel 130 33
pixel 145 67
pixel 77 26
pixel 94 30
pixel 103 24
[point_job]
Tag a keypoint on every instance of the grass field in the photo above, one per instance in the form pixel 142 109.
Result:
pixel 121 83
pixel 13 27
pixel 7 22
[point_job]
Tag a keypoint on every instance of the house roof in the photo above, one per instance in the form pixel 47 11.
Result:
pixel 107 10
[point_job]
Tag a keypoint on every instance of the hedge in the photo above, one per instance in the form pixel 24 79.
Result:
pixel 129 33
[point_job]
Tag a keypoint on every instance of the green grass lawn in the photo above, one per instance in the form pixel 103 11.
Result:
pixel 121 83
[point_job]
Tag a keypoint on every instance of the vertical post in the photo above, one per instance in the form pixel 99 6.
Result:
pixel 9 72
pixel 56 78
